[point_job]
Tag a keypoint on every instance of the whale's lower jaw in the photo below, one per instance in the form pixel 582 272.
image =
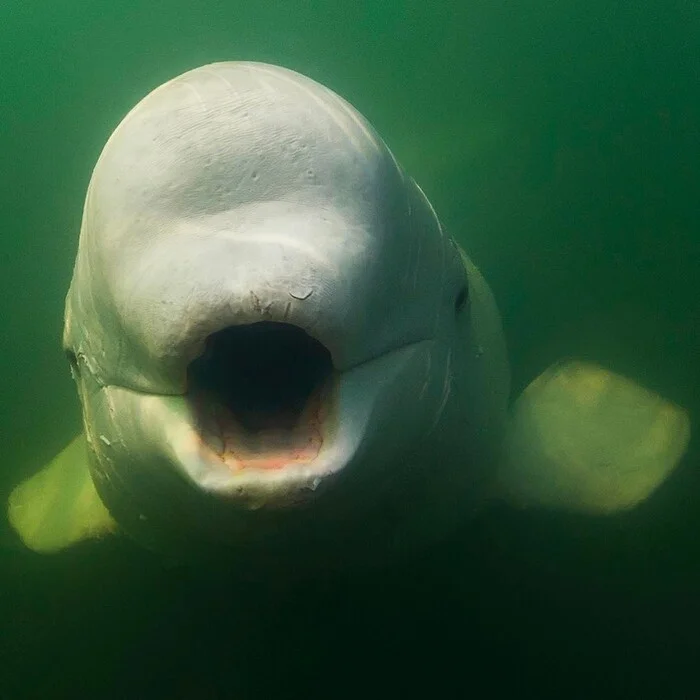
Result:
pixel 272 484
pixel 277 458
pixel 285 453
pixel 274 446
pixel 279 461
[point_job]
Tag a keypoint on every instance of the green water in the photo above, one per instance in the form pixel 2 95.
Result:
pixel 559 141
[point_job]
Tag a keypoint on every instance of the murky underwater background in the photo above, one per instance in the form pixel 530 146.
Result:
pixel 560 142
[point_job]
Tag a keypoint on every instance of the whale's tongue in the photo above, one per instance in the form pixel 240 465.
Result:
pixel 274 442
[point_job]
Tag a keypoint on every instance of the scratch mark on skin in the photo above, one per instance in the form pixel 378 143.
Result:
pixel 327 102
pixel 197 95
pixel 427 377
pixel 301 297
pixel 258 307
pixel 222 78
pixel 446 389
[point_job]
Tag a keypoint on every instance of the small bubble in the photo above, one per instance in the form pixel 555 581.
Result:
pixel 254 175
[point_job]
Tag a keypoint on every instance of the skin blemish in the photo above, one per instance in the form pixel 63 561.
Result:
pixel 303 296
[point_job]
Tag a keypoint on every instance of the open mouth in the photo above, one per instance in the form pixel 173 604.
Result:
pixel 262 394
pixel 266 419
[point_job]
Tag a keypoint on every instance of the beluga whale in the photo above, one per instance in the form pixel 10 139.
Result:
pixel 283 357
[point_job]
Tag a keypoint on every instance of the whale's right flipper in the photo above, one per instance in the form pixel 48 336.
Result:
pixel 58 506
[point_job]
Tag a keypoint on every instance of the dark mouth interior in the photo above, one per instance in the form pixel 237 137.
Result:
pixel 264 373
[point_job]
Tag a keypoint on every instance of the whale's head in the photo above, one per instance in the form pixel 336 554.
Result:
pixel 261 315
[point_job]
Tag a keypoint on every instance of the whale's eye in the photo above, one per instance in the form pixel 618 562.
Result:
pixel 72 359
pixel 461 298
pixel 73 362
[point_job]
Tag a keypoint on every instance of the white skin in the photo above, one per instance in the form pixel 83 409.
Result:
pixel 239 193
pixel 245 233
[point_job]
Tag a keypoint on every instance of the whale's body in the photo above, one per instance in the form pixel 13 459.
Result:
pixel 281 354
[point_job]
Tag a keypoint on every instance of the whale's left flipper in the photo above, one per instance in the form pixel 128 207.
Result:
pixel 585 439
